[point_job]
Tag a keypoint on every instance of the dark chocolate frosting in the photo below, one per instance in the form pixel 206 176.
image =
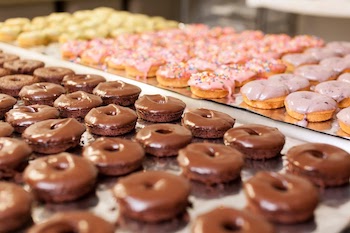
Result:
pixel 116 89
pixel 82 80
pixel 12 152
pixel 52 73
pixel 4 57
pixel 159 104
pixel 6 101
pixel 25 66
pixel 5 129
pixel 44 90
pixel 77 100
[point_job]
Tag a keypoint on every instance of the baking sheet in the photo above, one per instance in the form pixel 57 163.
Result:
pixel 332 215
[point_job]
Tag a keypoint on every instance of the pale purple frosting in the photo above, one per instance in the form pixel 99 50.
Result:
pixel 315 72
pixel 292 81
pixel 344 115
pixel 264 90
pixel 305 102
pixel 344 77
pixel 337 90
pixel 298 59
pixel 321 53
pixel 340 47
pixel 338 64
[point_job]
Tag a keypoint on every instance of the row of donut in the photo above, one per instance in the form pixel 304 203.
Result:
pixel 84 24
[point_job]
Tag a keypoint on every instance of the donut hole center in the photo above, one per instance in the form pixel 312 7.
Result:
pixel 317 154
pixel 163 131
pixel 55 126
pixel 1 146
pixel 148 185
pixel 14 79
pixel 32 109
pixel 280 187
pixel 76 98
pixel 206 116
pixel 60 166
pixel 111 113
pixel 252 132
pixel 112 148
pixel 230 227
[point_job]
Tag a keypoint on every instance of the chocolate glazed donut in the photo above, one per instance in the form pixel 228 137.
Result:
pixel 206 123
pixel 152 196
pixel 158 108
pixel 282 198
pixel 52 74
pixel 60 178
pixel 15 208
pixel 210 163
pixel 324 165
pixel 255 141
pixel 12 152
pixel 82 82
pixel 224 220
pixel 6 103
pixel 74 221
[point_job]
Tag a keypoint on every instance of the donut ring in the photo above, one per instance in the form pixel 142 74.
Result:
pixel 74 221
pixel 81 82
pixel 12 152
pixel 210 163
pixel 255 141
pixel 224 219
pixel 60 178
pixel 152 196
pixel 52 74
pixel 323 164
pixel 282 198
pixel 114 156
pixel 12 84
pixel 111 120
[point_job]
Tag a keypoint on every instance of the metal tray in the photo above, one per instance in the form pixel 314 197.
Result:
pixel 332 214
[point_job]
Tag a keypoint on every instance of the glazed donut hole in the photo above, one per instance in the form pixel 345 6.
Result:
pixel 164 131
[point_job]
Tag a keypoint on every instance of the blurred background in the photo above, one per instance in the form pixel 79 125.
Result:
pixel 328 19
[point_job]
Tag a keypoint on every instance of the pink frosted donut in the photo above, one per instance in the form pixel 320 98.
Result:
pixel 73 49
pixel 94 56
pixel 266 67
pixel 264 94
pixel 316 73
pixel 231 56
pixel 201 65
pixel 174 74
pixel 337 90
pixel 312 106
pixel 343 117
pixel 340 47
pixel 321 53
pixel 338 64
pixel 292 81
pixel 239 74
pixel 344 77
pixel 307 41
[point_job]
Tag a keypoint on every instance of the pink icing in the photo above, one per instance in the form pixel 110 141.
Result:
pixel 237 73
pixel 264 90
pixel 321 53
pixel 338 64
pixel 344 77
pixel 340 47
pixel 96 54
pixel 201 65
pixel 337 90
pixel 344 115
pixel 211 81
pixel 299 59
pixel 175 70
pixel 292 81
pixel 304 102
pixel 74 47
pixel 315 72
pixel 262 66
pixel 307 41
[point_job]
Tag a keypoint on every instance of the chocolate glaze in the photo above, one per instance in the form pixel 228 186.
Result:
pixel 4 72
pixel 224 220
pixel 281 197
pixel 74 221
pixel 164 136
pixel 13 152
pixel 15 208
pixel 52 74
pixel 207 120
pixel 255 136
pixel 116 89
pixel 41 92
pixel 159 104
pixel 21 117
pixel 26 66
pixel 320 161
pixel 114 156
pixel 6 102
pixel 12 84
pixel 111 116
pixel 210 163
pixel 78 100
pixel 59 178
pixel 5 129
pixel 152 196
pixel 4 57
pixel 54 131
pixel 86 82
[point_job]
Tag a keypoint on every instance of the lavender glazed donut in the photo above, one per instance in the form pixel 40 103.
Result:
pixel 316 73
pixel 82 82
pixel 21 117
pixel 295 60
pixel 41 93
pixel 52 74
pixel 292 81
pixel 310 106
pixel 60 178
pixel 344 77
pixel 337 90
pixel 281 198
pixel 6 103
pixel 342 48
pixel 323 164
pixel 338 64
pixel 114 156
pixel 343 117
pixel 53 136
pixel 321 53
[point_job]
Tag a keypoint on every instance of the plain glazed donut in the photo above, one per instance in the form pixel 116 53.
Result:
pixel 255 141
pixel 73 221
pixel 60 178
pixel 16 206
pixel 323 164
pixel 282 198
pixel 210 163
pixel 111 120
pixel 163 139
pixel 207 123
pixel 224 220
pixel 114 156
pixel 152 196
